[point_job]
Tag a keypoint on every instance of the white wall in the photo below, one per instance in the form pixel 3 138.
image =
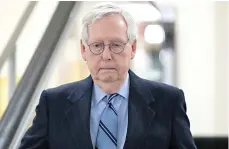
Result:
pixel 201 49
pixel 221 66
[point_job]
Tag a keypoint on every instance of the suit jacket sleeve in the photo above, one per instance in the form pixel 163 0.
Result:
pixel 36 136
pixel 181 136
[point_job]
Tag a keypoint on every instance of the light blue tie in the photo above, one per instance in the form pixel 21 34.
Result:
pixel 108 126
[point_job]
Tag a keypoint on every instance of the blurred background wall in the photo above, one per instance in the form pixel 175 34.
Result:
pixel 202 61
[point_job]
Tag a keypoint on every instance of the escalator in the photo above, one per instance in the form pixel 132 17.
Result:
pixel 16 116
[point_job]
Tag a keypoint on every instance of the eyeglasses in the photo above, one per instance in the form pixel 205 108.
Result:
pixel 98 47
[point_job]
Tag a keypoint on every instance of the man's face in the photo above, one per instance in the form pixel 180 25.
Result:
pixel 108 66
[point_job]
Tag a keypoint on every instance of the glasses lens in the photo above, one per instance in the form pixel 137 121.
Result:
pixel 117 47
pixel 96 48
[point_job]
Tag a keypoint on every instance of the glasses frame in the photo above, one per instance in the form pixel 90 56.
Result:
pixel 124 46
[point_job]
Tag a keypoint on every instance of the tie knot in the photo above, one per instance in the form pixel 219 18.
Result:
pixel 110 97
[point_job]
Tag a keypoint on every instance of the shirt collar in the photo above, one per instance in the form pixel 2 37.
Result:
pixel 98 94
pixel 123 91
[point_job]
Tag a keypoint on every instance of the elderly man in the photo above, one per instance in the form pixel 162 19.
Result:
pixel 112 108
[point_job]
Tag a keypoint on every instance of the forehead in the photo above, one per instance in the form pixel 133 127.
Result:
pixel 111 27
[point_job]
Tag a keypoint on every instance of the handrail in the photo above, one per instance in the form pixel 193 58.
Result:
pixel 9 48
pixel 30 80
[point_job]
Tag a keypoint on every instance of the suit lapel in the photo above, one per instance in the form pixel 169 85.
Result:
pixel 140 113
pixel 78 113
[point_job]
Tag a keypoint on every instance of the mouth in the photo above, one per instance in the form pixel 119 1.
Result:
pixel 107 69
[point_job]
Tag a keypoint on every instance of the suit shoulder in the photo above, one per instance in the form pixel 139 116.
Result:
pixel 160 86
pixel 64 89
pixel 164 94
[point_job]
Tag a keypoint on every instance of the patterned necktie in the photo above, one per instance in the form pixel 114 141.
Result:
pixel 108 126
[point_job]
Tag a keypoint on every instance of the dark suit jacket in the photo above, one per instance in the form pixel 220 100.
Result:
pixel 156 117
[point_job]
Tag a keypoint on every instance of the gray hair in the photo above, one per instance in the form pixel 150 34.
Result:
pixel 104 9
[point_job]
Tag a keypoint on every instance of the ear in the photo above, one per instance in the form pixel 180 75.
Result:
pixel 83 50
pixel 133 47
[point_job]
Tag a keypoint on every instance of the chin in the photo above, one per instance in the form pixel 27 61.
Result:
pixel 108 78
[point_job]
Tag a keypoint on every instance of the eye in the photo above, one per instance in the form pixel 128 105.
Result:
pixel 115 45
pixel 97 45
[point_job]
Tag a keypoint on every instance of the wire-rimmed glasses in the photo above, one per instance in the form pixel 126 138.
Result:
pixel 98 47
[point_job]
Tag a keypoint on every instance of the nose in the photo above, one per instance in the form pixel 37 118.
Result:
pixel 106 53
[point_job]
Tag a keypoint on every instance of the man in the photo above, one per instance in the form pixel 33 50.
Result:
pixel 112 108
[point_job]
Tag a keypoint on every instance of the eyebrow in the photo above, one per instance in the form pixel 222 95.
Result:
pixel 118 41
pixel 121 41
